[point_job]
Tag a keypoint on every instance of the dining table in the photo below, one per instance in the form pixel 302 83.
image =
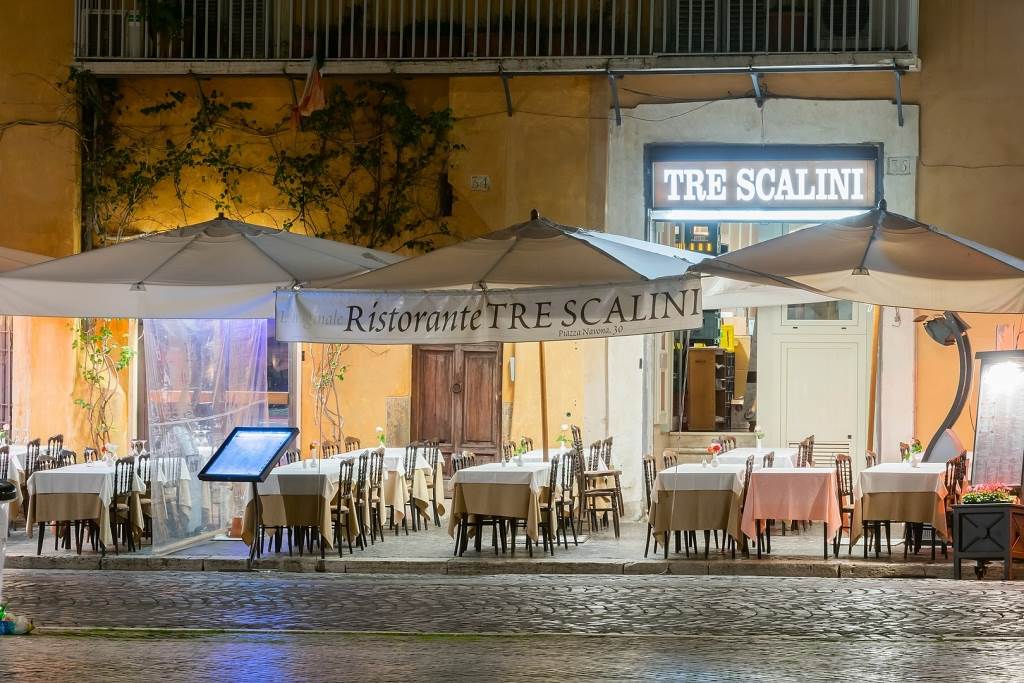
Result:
pixel 501 490
pixel 81 492
pixel 394 484
pixel 302 493
pixel 900 492
pixel 696 497
pixel 791 493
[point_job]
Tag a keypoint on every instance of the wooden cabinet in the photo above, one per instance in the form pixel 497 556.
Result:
pixel 710 383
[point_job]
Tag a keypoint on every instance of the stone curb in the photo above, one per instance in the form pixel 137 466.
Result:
pixel 495 566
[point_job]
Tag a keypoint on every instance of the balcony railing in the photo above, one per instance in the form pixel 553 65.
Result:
pixel 533 35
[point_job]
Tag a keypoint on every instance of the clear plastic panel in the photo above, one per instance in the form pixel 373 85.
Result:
pixel 203 378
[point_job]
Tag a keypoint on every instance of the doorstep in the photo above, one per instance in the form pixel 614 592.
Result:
pixel 777 566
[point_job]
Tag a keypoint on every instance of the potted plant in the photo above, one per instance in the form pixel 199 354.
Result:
pixel 988 493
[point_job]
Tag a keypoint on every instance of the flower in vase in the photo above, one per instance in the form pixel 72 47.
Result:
pixel 714 449
pixel 380 435
pixel 758 432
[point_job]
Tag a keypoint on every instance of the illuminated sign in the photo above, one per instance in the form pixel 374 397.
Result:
pixel 784 184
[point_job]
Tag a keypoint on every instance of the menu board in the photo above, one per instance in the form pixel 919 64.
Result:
pixel 248 454
pixel 999 435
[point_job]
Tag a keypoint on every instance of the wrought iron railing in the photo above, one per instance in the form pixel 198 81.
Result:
pixel 285 30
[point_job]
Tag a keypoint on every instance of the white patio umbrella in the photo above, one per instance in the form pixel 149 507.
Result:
pixel 885 259
pixel 536 256
pixel 218 269
pixel 12 259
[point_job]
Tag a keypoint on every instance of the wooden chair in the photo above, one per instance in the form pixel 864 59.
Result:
pixel 32 454
pixel 731 542
pixel 844 493
pixel 407 471
pixel 567 496
pixel 352 444
pixel 592 492
pixel 66 458
pixel 873 529
pixel 594 459
pixel 768 460
pixel 548 514
pixel 361 496
pixel 54 445
pixel 508 450
pixel 90 454
pixel 650 473
pixel 434 485
pixel 669 460
pixel 526 442
pixel 577 437
pixel 376 490
pixel 870 459
pixel 5 462
pixel 121 503
pixel 343 507
pixel 328 449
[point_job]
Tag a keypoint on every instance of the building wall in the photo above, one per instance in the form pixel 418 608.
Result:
pixel 549 155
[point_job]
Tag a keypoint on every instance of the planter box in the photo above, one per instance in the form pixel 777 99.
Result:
pixel 987 532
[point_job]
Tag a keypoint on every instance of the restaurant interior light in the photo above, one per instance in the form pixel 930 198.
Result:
pixel 755 215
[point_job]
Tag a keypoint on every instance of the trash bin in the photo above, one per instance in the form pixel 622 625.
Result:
pixel 7 494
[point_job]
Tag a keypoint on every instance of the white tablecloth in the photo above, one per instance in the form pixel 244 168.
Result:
pixel 93 477
pixel 535 475
pixel 305 477
pixel 18 452
pixel 696 477
pixel 784 457
pixel 893 477
pixel 393 458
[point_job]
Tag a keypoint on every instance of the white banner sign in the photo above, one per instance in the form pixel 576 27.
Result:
pixel 462 317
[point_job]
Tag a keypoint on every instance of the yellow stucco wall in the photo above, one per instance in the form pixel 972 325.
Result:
pixel 549 155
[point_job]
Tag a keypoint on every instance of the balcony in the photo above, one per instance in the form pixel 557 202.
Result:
pixel 494 36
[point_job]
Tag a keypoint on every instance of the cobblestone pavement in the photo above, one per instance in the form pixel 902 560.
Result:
pixel 322 657
pixel 603 628
pixel 638 605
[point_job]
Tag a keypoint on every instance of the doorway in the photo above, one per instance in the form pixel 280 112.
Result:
pixel 456 397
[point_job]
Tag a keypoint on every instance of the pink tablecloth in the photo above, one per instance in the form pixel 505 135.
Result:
pixel 792 493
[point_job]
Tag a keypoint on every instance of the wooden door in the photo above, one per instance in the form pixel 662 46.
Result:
pixel 456 397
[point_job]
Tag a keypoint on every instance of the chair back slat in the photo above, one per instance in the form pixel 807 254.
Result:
pixel 768 460
pixel 5 461
pixel 595 456
pixel 409 460
pixel 352 443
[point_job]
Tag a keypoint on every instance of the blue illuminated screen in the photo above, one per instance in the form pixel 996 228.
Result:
pixel 248 452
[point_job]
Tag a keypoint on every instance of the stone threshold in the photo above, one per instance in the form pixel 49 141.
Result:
pixel 791 567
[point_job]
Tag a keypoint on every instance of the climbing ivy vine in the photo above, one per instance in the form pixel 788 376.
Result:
pixel 368 169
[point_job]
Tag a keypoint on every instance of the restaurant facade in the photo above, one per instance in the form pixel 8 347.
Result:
pixel 689 158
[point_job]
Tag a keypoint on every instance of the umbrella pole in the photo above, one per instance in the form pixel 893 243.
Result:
pixel 873 380
pixel 543 403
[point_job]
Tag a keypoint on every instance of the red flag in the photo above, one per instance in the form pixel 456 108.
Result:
pixel 313 98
